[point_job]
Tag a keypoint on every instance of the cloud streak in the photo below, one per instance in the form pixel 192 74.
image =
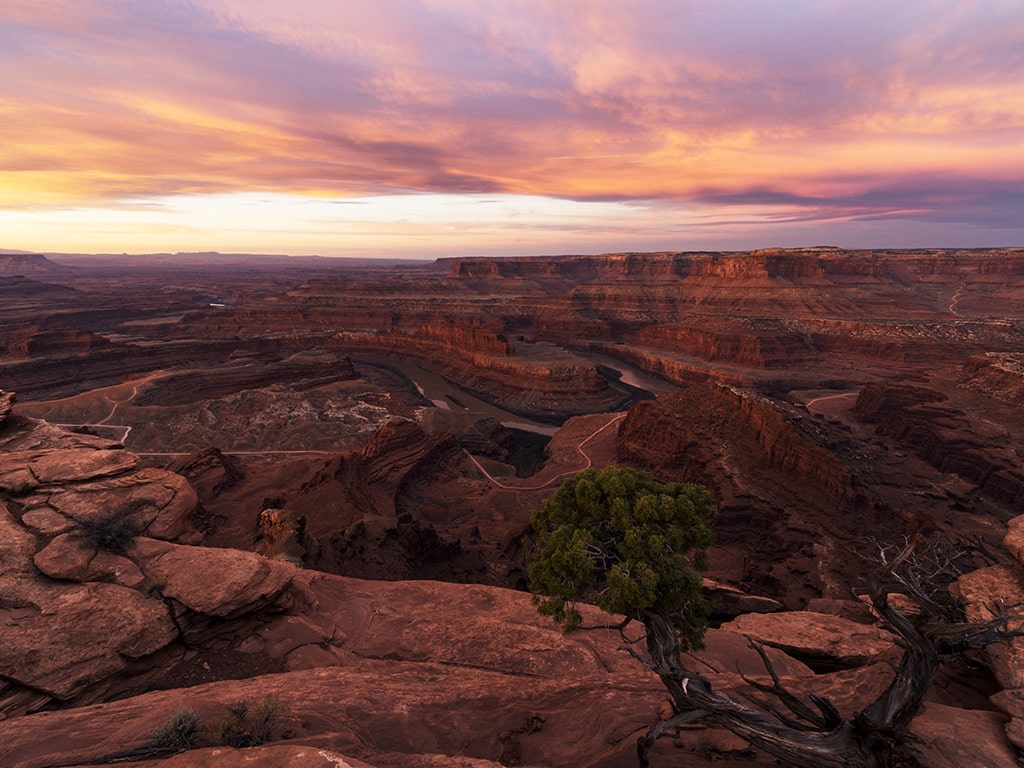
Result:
pixel 794 111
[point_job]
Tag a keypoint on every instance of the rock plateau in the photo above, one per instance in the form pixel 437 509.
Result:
pixel 308 482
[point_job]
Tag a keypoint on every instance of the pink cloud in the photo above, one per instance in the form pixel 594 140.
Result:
pixel 657 99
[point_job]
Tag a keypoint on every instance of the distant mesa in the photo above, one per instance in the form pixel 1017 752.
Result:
pixel 12 264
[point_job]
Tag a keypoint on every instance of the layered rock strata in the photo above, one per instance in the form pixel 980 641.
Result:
pixel 131 617
pixel 97 575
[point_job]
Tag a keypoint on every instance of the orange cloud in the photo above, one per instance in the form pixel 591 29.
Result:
pixel 660 100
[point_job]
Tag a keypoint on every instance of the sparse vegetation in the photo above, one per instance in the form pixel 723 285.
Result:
pixel 153 586
pixel 112 532
pixel 511 745
pixel 179 732
pixel 244 727
pixel 19 490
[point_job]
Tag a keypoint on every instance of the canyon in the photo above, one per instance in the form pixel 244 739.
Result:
pixel 349 453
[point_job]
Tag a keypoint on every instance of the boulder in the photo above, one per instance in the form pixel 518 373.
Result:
pixel 1011 702
pixel 157 503
pixel 76 465
pixel 981 590
pixel 68 557
pixel 21 469
pixel 962 738
pixel 817 638
pixel 33 434
pixel 42 519
pixel 15 476
pixel 1013 542
pixel 60 639
pixel 215 582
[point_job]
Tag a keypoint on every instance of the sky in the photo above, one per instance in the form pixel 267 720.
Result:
pixel 428 128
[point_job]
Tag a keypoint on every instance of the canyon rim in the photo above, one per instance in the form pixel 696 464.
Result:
pixel 231 482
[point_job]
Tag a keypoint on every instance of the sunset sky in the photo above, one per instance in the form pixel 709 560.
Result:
pixel 425 128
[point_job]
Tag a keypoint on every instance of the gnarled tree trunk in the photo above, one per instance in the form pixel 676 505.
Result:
pixel 837 744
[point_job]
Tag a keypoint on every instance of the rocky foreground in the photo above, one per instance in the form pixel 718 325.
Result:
pixel 356 421
pixel 114 622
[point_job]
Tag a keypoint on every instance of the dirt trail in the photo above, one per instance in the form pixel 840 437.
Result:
pixel 579 448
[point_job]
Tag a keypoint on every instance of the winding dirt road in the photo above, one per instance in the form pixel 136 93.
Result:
pixel 579 448
pixel 105 423
pixel 816 400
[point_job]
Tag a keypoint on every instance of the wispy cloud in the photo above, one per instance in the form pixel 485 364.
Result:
pixel 823 111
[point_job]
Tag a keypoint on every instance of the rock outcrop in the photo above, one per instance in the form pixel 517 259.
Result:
pixel 112 630
pixel 96 574
pixel 352 519
pixel 822 641
pixel 1000 589
pixel 922 421
pixel 1000 375
pixel 771 474
pixel 15 264
pixel 829 397
pixel 7 400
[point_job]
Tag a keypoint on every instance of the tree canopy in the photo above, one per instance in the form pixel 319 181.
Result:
pixel 620 540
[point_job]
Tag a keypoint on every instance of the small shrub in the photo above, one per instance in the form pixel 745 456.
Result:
pixel 17 491
pixel 112 532
pixel 267 717
pixel 230 729
pixel 180 731
pixel 153 586
pixel 240 727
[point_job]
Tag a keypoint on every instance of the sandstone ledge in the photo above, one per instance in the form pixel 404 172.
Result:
pixel 817 637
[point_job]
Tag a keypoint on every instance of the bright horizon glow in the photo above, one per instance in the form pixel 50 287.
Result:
pixel 428 128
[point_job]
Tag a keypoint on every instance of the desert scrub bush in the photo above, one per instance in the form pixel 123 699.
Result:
pixel 17 491
pixel 153 586
pixel 178 732
pixel 242 727
pixel 111 532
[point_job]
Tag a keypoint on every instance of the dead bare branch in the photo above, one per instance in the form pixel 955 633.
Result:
pixel 822 720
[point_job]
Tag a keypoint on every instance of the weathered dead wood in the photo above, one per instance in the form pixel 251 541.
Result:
pixel 817 737
pixel 836 747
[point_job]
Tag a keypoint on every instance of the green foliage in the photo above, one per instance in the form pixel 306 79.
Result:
pixel 618 539
pixel 179 732
pixel 242 727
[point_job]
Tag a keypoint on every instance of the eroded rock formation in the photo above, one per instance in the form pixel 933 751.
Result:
pixel 364 672
pixel 826 397
pixel 97 574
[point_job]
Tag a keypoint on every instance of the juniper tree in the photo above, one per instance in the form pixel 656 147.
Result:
pixel 627 544
pixel 635 547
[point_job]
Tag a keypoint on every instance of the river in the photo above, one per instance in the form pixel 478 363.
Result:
pixel 443 394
